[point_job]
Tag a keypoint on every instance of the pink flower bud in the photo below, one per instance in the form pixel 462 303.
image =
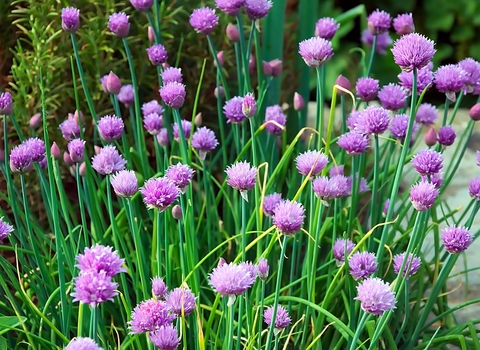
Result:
pixel 220 58
pixel 251 64
pixel 177 212
pixel 113 83
pixel 83 169
pixel 298 102
pixel 232 33
pixel 277 67
pixel 55 151
pixel 475 112
pixel 219 92
pixel 35 120
pixel 67 159
pixel 431 137
pixel 151 34
pixel 267 69
pixel 344 83
pixel 97 149
pixel 198 120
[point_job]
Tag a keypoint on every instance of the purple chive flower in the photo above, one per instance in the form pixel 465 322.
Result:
pixel 263 268
pixel 456 239
pixel 118 24
pixel 392 97
pixel 180 174
pixel 352 119
pixel 403 24
pixel 233 110
pixel 142 5
pixel 180 301
pixel 375 296
pixel 326 28
pixel 242 177
pixel 423 195
pixel 36 148
pixel 83 344
pixel 153 123
pixel 282 319
pixel 379 22
pixel 367 88
pixel 148 316
pixel 288 217
pixel 5 229
pixel 162 137
pixel 93 288
pixel 159 288
pixel 186 128
pixel 450 79
pixel 204 20
pixel 341 186
pixel 159 193
pixel 231 280
pixel 424 79
pixel 314 161
pixel 362 265
pixel 436 179
pixel 108 161
pixel 315 51
pixel 251 268
pixel 373 120
pixel 230 7
pixel 275 113
pixel 100 258
pixel 270 202
pixel 21 158
pixel 413 51
pixel 342 248
pixel 70 19
pixel 472 72
pixel 165 337
pixel 446 135
pixel 383 41
pixel 172 74
pixel 173 94
pixel 320 188
pixel 257 9
pixel 474 188
pixel 336 170
pixel 353 143
pixel 110 128
pixel 6 103
pixel 412 264
pixel 157 54
pixel 427 162
pixel 204 140
pixel 70 129
pixel 152 107
pixel 399 125
pixel 125 183
pixel 427 114
pixel 249 105
pixel 76 149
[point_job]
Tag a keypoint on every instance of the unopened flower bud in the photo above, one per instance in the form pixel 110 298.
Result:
pixel 267 69
pixel 232 33
pixel 151 34
pixel 221 262
pixel 113 83
pixel 83 169
pixel 219 92
pixel 198 119
pixel 35 120
pixel 344 83
pixel 263 269
pixel 177 212
pixel 55 151
pixel 249 105
pixel 431 137
pixel 475 112
pixel 251 64
pixel 298 102
pixel 277 67
pixel 67 159
pixel 221 59
pixel 97 149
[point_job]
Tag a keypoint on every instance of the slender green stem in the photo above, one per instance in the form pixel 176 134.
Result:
pixel 230 326
pixel 219 67
pixel 94 323
pixel 372 55
pixel 82 205
pixel 183 141
pixel 359 330
pixel 221 121
pixel 455 108
pixel 373 203
pixel 167 258
pixel 81 310
pixel 260 315
pixel 182 249
pixel 445 111
pixel 320 107
pixel 159 245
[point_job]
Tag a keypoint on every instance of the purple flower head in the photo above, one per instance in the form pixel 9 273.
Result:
pixel 70 19
pixel 6 103
pixel 165 337
pixel 142 5
pixel 162 137
pixel 336 170
pixel 424 79
pixel 403 24
pixel 342 248
pixel 427 162
pixel 379 22
pixel 100 258
pixel 341 186
pixel 270 202
pixel 172 74
pixel 399 125
pixel 423 195
pixel 282 319
pixel 70 129
pixel 288 217
pixel 231 280
pixel 456 239
pixel 108 161
pixel 251 268
pixel 263 268
pixel 152 107
pixel 413 51
pixel 230 7
pixel 257 9
pixel 436 179
pixel 186 128
pixel 450 79
pixel 362 265
pixel 159 288
pixel 125 183
pixel 93 288
pixel 472 72
pixel 375 296
pixel 474 112
pixel 427 114
pixel 110 128
pixel 353 143
pixel 157 54
pixel 412 264
pixel 474 188
pixel 373 120
pixel 118 24
pixel 242 176
pixel 153 123
pixel 204 140
pixel 249 105
pixel 275 113
pixel 367 88
pixel 326 28
pixel 173 94
pixel 233 110
pixel 392 97
pixel 204 20
pixel 5 229
pixel 314 161
pixel 180 301
pixel 21 158
pixel 159 193
pixel 180 174
pixel 82 344
pixel 320 188
pixel 315 51
pixel 352 119
pixel 76 149
pixel 36 148
pixel 446 135
pixel 383 41
pixel 149 316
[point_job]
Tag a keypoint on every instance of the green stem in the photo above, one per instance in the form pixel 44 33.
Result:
pixel 230 326
pixel 455 108
pixel 260 315
pixel 373 204
pixel 82 205
pixel 94 323
pixel 320 107
pixel 372 55
pixel 359 330
pixel 219 67
pixel 183 141
pixel 159 245
pixel 445 111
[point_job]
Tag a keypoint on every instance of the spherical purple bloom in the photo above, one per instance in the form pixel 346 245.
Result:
pixel 472 72
pixel 233 110
pixel 399 126
pixel 270 202
pixel 314 161
pixel 320 188
pixel 231 280
pixel 342 248
pixel 5 229
pixel 336 170
pixel 275 113
pixel 403 24
pixel 186 128
pixel 100 258
pixel 424 79
pixel 392 97
pixel 412 264
pixel 383 41
pixel 203 20
pixel 172 74
pixel 242 176
pixel 153 123
pixel 118 24
pixel 162 137
pixel 353 143
pixel 362 265
pixel 352 119
pixel 149 316
pixel 315 51
pixel 379 22
pixel 173 94
pixel 373 120
pixel 142 5
pixel 6 103
pixel 21 158
pixel 375 296
pixel 36 148
pixel 263 268
pixel 249 105
pixel 180 174
pixel 159 193
pixel 450 79
pixel 76 149
pixel 446 135
pixel 152 107
pixel 288 217
pixel 70 129
pixel 257 9
pixel 110 128
pixel 427 114
pixel 367 88
pixel 70 19
pixel 159 288
pixel 341 186
pixel 474 188
pixel 93 288
pixel 413 51
pixel 282 319
pixel 157 54
pixel 456 239
pixel 326 28
pixel 423 195
pixel 82 344
pixel 230 7
pixel 204 140
pixel 108 161
pixel 180 301
pixel 427 162
pixel 165 337
pixel 125 183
